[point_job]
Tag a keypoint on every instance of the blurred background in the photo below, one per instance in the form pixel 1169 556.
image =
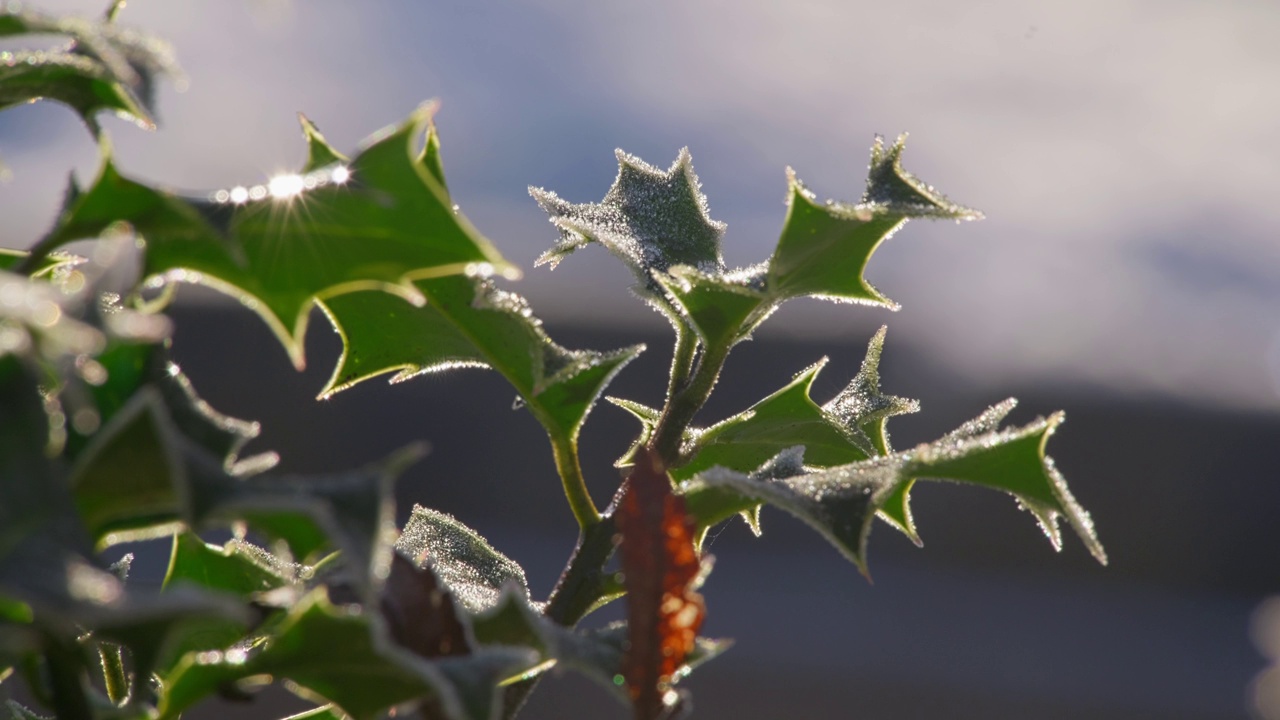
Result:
pixel 1126 157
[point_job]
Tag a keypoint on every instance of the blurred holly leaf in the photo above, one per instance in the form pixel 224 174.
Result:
pixel 345 657
pixel 375 223
pixel 104 67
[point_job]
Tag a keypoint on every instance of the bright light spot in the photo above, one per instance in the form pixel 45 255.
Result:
pixel 340 174
pixel 221 196
pixel 239 195
pixel 257 192
pixel 283 187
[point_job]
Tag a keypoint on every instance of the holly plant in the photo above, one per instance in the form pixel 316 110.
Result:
pixel 104 440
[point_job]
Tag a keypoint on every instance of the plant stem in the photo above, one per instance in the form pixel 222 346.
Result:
pixel 682 359
pixel 584 509
pixel 684 404
pixel 113 675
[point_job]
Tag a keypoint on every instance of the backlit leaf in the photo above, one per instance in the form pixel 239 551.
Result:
pixel 377 223
pixel 470 323
pixel 342 655
pixel 104 68
pixel 840 502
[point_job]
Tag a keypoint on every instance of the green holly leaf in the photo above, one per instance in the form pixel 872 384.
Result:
pixel 377 223
pixel 237 567
pixel 105 67
pixel 470 323
pixel 848 428
pixel 840 502
pixel 345 657
pixel 721 308
pixel 650 219
pixel 825 247
pixel 130 474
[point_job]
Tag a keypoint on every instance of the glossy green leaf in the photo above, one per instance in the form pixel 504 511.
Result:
pixel 341 656
pixel 825 247
pixel 470 323
pixel 376 223
pixel 840 502
pixel 106 68
pixel 722 309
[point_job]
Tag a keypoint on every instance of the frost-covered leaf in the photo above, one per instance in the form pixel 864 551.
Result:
pixel 376 223
pixel 651 219
pixel 18 711
pixel 825 247
pixel 723 308
pixel 343 656
pixel 840 502
pixel 236 567
pixel 104 68
pixel 661 568
pixel 472 570
pixel 470 323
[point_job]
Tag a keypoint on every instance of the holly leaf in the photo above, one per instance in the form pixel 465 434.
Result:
pixel 473 571
pixel 377 223
pixel 237 567
pixel 650 219
pixel 469 323
pixel 661 568
pixel 104 68
pixel 346 658
pixel 840 502
pixel 721 308
pixel 848 428
pixel 657 223
pixel 825 247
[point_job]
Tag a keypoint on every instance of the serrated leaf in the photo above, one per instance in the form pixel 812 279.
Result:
pixel 473 571
pixel 130 476
pixel 355 510
pixel 237 567
pixel 650 219
pixel 722 309
pixel 343 657
pixel 470 323
pixel 825 247
pixel 105 68
pixel 376 223
pixel 840 502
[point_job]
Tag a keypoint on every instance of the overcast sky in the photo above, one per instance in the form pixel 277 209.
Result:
pixel 1126 153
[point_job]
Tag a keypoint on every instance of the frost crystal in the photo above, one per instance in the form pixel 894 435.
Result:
pixel 651 219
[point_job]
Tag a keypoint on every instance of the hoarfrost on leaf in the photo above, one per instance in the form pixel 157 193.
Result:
pixel 651 219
